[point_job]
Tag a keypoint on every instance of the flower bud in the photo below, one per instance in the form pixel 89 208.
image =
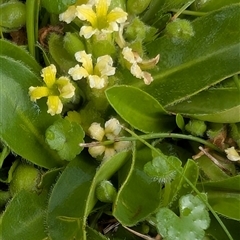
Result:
pixel 24 177
pixel 72 43
pixel 106 192
pixel 13 16
pixel 196 127
pixel 180 29
pixel 137 6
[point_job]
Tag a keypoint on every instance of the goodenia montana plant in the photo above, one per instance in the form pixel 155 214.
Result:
pixel 119 119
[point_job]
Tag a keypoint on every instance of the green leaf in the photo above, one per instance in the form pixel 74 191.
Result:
pixel 188 67
pixel 73 196
pixel 139 109
pixel 64 136
pixel 66 208
pixel 225 109
pixel 161 169
pixel 94 235
pixel 131 204
pixel 179 186
pixel 22 122
pixel 24 217
pixel 19 54
pixel 224 196
pixel 57 6
pixel 194 219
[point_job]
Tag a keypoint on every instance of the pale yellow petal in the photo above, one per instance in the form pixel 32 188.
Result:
pixel 49 75
pixel 96 131
pixel 96 151
pixel 85 12
pixel 88 31
pixel 136 71
pixel 86 60
pixel 54 105
pixel 104 66
pixel 65 87
pixel 147 78
pixel 109 152
pixel 117 15
pixel 68 15
pixel 112 128
pixel 78 72
pixel 38 92
pixel 97 82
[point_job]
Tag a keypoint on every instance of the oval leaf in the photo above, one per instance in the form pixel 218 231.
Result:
pixel 215 105
pixel 139 109
pixel 29 220
pixel 22 122
pixel 139 195
pixel 188 67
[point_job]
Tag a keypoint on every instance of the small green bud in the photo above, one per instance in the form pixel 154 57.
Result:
pixel 137 6
pixel 24 177
pixel 196 127
pixel 12 16
pixel 73 43
pixel 180 29
pixel 106 192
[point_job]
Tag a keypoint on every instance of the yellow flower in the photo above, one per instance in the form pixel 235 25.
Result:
pixel 136 64
pixel 70 14
pixel 110 132
pixel 55 90
pixel 98 75
pixel 100 18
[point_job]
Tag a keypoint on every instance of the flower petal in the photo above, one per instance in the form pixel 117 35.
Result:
pixel 136 71
pixel 78 72
pixel 88 31
pixel 68 15
pixel 38 92
pixel 85 12
pixel 54 105
pixel 96 151
pixel 49 75
pixel 147 78
pixel 97 82
pixel 104 66
pixel 117 15
pixel 86 60
pixel 96 131
pixel 109 152
pixel 65 87
pixel 121 146
pixel 112 128
pixel 102 7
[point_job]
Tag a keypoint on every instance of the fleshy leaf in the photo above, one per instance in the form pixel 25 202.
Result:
pixel 29 220
pixel 131 204
pixel 139 109
pixel 64 137
pixel 224 196
pixel 22 121
pixel 188 67
pixel 73 197
pixel 224 110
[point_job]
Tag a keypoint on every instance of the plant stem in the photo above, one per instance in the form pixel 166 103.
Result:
pixel 191 13
pixel 172 135
pixel 186 179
